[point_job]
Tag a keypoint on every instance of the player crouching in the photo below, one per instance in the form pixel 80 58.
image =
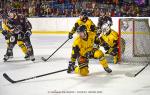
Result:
pixel 109 40
pixel 82 50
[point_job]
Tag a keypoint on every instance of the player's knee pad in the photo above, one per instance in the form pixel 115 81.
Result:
pixel 83 66
pixel 82 71
pixel 103 62
pixel 98 54
pixel 20 43
pixel 22 46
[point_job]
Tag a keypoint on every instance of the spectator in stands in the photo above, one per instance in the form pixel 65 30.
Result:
pixel 77 13
pixel 72 7
pixel 31 10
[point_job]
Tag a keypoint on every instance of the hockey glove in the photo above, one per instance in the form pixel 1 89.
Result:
pixel 28 33
pixel 70 36
pixel 71 67
pixel 6 34
pixel 89 54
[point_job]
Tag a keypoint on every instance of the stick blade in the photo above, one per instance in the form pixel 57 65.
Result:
pixel 8 78
pixel 130 75
pixel 43 59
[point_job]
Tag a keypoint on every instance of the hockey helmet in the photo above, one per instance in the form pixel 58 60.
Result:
pixel 83 15
pixel 12 13
pixel 81 28
pixel 82 31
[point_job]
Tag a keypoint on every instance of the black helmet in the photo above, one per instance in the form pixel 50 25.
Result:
pixel 4 16
pixel 12 11
pixel 83 13
pixel 81 28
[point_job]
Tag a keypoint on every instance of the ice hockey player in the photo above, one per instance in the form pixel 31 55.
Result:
pixel 109 40
pixel 83 20
pixel 104 18
pixel 7 34
pixel 21 31
pixel 82 51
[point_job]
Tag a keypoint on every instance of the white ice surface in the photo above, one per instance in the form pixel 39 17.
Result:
pixel 116 83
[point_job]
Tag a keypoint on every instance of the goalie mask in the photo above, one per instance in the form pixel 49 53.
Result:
pixel 105 28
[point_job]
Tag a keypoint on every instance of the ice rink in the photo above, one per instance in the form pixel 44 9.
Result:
pixel 97 83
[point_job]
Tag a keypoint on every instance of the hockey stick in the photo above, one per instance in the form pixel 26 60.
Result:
pixel 13 81
pixel 45 59
pixel 134 75
pixel 141 69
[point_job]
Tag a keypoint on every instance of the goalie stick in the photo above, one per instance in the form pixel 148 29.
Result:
pixel 45 59
pixel 13 81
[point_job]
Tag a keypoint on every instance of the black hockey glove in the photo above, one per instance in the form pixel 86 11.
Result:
pixel 71 67
pixel 89 54
pixel 6 34
pixel 28 33
pixel 70 36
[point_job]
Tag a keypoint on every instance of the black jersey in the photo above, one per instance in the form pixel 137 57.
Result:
pixel 19 23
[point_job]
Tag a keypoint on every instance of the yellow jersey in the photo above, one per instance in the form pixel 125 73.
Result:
pixel 111 38
pixel 89 25
pixel 4 25
pixel 85 45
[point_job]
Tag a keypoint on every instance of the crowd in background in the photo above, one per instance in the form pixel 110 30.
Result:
pixel 72 8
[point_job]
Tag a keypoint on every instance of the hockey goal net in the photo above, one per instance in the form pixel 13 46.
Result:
pixel 136 34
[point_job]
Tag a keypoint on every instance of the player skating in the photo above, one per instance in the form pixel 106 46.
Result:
pixel 7 34
pixel 82 50
pixel 20 30
pixel 83 20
